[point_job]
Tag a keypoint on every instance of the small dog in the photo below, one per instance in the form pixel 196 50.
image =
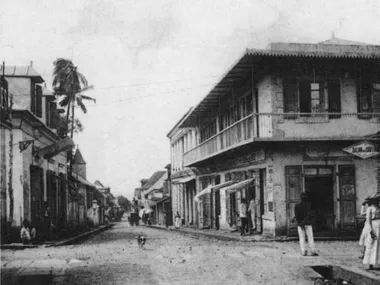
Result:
pixel 141 239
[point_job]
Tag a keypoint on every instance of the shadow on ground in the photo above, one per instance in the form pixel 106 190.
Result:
pixel 125 273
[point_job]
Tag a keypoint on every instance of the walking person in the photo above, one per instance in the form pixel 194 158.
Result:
pixel 372 237
pixel 243 217
pixel 304 218
pixel 252 212
pixel 366 227
pixel 177 219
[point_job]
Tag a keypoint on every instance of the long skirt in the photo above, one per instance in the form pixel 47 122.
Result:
pixel 372 250
pixel 363 235
pixel 177 222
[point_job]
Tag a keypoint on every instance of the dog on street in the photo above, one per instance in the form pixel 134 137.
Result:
pixel 141 239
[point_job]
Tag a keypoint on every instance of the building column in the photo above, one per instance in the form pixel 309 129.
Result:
pixel 187 204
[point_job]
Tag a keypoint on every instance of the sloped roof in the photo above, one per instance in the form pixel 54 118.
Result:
pixel 78 158
pixel 153 179
pixel 179 122
pixel 47 92
pixel 84 181
pixel 253 59
pixel 337 41
pixel 98 183
pixel 20 71
pixel 158 184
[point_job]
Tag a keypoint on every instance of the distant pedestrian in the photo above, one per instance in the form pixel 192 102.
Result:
pixel 372 237
pixel 252 212
pixel 305 220
pixel 177 219
pixel 243 217
pixel 25 232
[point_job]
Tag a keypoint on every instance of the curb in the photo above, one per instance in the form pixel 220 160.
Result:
pixel 81 236
pixel 59 243
pixel 197 234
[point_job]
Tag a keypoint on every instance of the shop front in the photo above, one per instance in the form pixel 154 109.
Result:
pixel 336 181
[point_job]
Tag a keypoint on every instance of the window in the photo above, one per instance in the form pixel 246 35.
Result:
pixel 208 131
pixel 249 103
pixel 52 116
pixel 36 100
pixel 368 94
pixel 311 96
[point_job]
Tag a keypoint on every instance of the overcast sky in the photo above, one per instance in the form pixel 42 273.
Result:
pixel 150 61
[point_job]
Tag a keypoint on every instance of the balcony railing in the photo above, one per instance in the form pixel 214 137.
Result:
pixel 238 133
pixel 285 125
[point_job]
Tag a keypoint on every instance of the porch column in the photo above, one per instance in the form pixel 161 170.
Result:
pixel 186 205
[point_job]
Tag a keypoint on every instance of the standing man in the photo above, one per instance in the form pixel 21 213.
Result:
pixel 243 216
pixel 304 217
pixel 252 212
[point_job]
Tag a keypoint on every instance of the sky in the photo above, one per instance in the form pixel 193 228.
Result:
pixel 150 61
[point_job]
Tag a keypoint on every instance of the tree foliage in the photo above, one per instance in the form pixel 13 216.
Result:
pixel 124 203
pixel 69 84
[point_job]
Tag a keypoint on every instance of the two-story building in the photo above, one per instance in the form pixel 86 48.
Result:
pixel 182 178
pixel 38 152
pixel 5 128
pixel 288 119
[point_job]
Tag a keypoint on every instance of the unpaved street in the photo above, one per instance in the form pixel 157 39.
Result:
pixel 113 257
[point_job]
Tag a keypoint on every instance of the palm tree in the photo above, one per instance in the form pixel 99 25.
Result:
pixel 70 84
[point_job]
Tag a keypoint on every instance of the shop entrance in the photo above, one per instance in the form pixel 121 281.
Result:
pixel 319 184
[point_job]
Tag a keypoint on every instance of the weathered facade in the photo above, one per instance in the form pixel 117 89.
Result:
pixel 36 169
pixel 5 129
pixel 182 178
pixel 289 119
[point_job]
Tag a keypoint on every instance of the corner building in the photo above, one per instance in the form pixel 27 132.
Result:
pixel 288 119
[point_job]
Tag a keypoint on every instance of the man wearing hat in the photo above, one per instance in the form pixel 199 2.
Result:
pixel 304 218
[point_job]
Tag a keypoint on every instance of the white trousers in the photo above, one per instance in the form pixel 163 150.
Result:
pixel 302 233
pixel 253 218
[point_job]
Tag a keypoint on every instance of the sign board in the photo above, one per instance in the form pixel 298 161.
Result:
pixel 364 149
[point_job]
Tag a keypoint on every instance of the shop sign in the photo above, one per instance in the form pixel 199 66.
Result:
pixel 364 149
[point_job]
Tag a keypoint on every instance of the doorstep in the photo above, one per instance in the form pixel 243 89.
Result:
pixel 19 246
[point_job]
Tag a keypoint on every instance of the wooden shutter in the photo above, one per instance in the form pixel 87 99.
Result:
pixel 38 101
pixel 347 197
pixel 334 97
pixel 37 192
pixel 305 96
pixel 290 96
pixel 228 207
pixel 364 90
pixel 376 98
pixel 293 194
pixel 33 97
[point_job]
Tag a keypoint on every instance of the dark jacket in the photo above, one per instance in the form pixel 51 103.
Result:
pixel 304 214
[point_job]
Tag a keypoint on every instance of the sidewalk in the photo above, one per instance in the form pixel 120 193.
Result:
pixel 16 246
pixel 228 235
pixel 340 254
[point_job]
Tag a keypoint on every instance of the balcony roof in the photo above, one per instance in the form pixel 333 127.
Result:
pixel 250 61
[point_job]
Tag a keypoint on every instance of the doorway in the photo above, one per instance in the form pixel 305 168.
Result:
pixel 319 184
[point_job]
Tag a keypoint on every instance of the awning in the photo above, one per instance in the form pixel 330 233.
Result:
pixel 183 180
pixel 54 149
pixel 84 181
pixel 222 185
pixel 239 185
pixel 205 191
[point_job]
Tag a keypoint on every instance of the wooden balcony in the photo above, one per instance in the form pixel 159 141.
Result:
pixel 286 126
pixel 241 132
